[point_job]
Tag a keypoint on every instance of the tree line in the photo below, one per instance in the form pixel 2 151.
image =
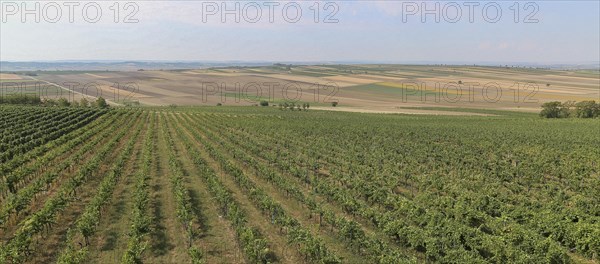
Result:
pixel 23 99
pixel 583 109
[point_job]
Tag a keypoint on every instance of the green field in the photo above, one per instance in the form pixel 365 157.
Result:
pixel 261 185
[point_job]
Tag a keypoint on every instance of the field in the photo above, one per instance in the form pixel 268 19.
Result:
pixel 259 185
pixel 367 88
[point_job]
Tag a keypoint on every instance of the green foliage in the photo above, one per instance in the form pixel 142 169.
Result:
pixel 84 102
pixel 334 104
pixel 293 106
pixel 63 102
pixel 196 255
pixel 487 223
pixel 584 109
pixel 101 103
pixel 555 109
pixel 20 99
pixel 264 103
pixel 388 188
pixel 587 109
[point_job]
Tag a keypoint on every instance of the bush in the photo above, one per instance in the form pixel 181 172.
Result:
pixel 101 102
pixel 21 99
pixel 50 102
pixel 264 103
pixel 587 109
pixel 334 104
pixel 84 103
pixel 555 110
pixel 131 103
pixel 62 102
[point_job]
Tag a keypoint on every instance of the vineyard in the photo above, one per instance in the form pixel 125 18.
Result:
pixel 260 185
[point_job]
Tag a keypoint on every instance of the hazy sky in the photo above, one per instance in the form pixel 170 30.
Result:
pixel 392 31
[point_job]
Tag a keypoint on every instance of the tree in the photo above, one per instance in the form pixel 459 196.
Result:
pixel 556 109
pixel 84 102
pixel 62 102
pixel 20 99
pixel 50 102
pixel 264 103
pixel 565 109
pixel 587 109
pixel 551 109
pixel 101 102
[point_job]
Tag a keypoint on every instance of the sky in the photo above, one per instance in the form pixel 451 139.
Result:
pixel 374 31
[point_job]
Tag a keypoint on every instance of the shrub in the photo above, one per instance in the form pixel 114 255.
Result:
pixel 334 104
pixel 555 109
pixel 50 102
pixel 20 99
pixel 264 103
pixel 62 102
pixel 101 102
pixel 84 103
pixel 587 109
